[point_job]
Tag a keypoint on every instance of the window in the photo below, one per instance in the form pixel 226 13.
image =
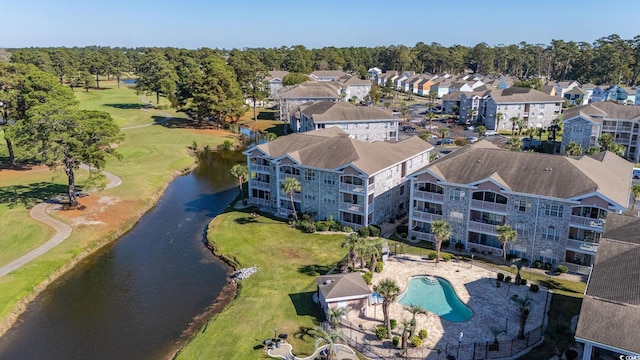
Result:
pixel 521 229
pixel 309 197
pixel 553 210
pixel 329 179
pixel 550 233
pixel 309 175
pixel 402 190
pixel 430 187
pixel 455 195
pixel 522 205
pixel 456 216
pixel 489 196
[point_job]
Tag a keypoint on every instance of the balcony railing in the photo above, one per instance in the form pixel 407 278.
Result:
pixel 258 201
pixel 624 128
pixel 423 215
pixel 285 175
pixel 356 208
pixel 370 188
pixel 580 269
pixel 582 246
pixel 351 187
pixel 262 185
pixel 259 168
pixel 487 228
pixel 608 128
pixel 351 225
pixel 296 196
pixel 588 222
pixel 485 205
pixel 422 236
pixel 425 195
pixel 487 249
pixel 526 113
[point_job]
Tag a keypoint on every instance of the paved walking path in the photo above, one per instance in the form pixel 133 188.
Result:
pixel 40 213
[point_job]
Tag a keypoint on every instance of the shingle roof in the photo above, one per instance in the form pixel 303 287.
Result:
pixel 540 174
pixel 310 90
pixel 522 95
pixel 611 306
pixel 343 285
pixel 328 73
pixel 276 74
pixel 596 111
pixel 576 90
pixel 332 148
pixel 329 111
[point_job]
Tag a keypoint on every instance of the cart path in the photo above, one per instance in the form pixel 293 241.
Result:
pixel 40 212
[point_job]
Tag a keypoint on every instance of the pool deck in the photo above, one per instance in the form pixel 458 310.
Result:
pixel 475 286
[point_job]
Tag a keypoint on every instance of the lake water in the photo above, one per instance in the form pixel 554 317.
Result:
pixel 134 298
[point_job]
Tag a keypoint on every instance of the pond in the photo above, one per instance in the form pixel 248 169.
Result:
pixel 134 298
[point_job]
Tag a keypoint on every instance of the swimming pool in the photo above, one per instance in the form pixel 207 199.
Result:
pixel 437 296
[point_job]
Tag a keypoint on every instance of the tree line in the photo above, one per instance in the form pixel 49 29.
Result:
pixel 609 59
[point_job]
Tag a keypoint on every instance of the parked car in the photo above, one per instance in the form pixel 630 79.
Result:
pixel 491 132
pixel 470 128
pixel 472 139
pixel 445 141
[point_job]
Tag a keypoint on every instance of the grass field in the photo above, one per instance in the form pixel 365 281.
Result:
pixel 278 296
pixel 152 156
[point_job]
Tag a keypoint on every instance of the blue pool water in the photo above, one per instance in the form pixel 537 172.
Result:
pixel 436 295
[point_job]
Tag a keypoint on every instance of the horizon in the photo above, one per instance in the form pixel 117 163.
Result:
pixel 256 24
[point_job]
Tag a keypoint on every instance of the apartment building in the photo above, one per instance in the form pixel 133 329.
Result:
pixel 366 123
pixel 556 204
pixel 587 123
pixel 357 183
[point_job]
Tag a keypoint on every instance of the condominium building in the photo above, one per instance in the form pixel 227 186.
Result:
pixel 366 123
pixel 357 183
pixel 586 124
pixel 556 204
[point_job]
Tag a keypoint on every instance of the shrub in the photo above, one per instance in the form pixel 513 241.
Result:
pixel 562 268
pixel 306 226
pixel 393 323
pixel 396 340
pixel 367 277
pixel 403 235
pixel 507 279
pixel 363 232
pixel 523 282
pixel 460 142
pixel 227 144
pixel 500 276
pixel 547 266
pixel 422 334
pixel 416 341
pixel 402 229
pixel 446 257
pixel 194 145
pixel 374 230
pixel 432 255
pixel 459 246
pixel 347 229
pixel 534 288
pixel 335 226
pixel 381 332
pixel 161 107
pixel 537 264
pixel 446 243
pixel 322 226
pixel 379 266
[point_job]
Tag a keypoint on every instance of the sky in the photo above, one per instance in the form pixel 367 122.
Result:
pixel 228 24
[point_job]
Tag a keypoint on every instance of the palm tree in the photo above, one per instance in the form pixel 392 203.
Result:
pixel 389 290
pixel 404 110
pixel 522 124
pixel 328 337
pixel 605 141
pixel 442 232
pixel 352 241
pixel 443 132
pixel 524 308
pixel 370 248
pixel 240 172
pixel 506 235
pixel 499 117
pixel 335 314
pixel 635 190
pixel 618 149
pixel 406 333
pixel 481 130
pixel 270 136
pixel 573 149
pixel 430 116
pixel 414 310
pixel 289 186
pixel 515 144
pixel 514 122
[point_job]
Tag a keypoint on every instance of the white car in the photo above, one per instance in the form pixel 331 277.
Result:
pixel 472 139
pixel 491 132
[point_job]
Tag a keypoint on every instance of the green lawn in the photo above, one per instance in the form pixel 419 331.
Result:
pixel 278 296
pixel 153 155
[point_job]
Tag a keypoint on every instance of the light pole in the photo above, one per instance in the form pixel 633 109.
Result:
pixel 275 331
pixel 459 344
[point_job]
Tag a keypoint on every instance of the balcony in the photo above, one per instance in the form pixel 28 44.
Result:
pixel 258 201
pixel 262 185
pixel 422 236
pixel 608 128
pixel 259 168
pixel 359 189
pixel 485 205
pixel 624 128
pixel 425 195
pixel 484 249
pixel 285 175
pixel 296 196
pixel 526 114
pixel 586 222
pixel 580 269
pixel 425 216
pixel 486 228
pixel 582 246
pixel 351 225
pixel 355 208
